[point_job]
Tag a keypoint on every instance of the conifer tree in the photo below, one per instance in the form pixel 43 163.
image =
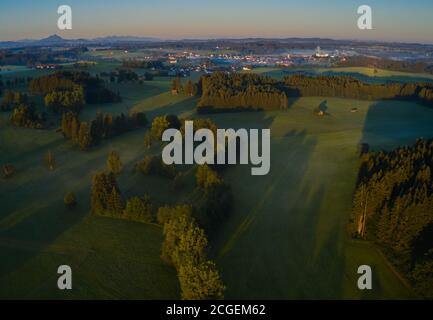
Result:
pixel 138 209
pixel 84 136
pixel 114 164
pixel 115 203
pixel 50 161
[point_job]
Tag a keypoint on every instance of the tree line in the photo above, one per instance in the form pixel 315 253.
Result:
pixel 25 115
pixel 393 206
pixel 24 112
pixel 222 91
pixel 185 248
pixel 349 87
pixel 13 82
pixel 235 91
pixel 12 99
pixel 387 64
pixel 189 88
pixel 141 64
pixel 70 90
pixel 104 126
pixel 107 200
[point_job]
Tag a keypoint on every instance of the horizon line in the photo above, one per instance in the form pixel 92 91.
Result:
pixel 224 38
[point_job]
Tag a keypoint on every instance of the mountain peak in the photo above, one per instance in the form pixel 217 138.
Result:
pixel 53 38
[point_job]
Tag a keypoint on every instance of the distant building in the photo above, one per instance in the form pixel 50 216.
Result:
pixel 319 54
pixel 46 66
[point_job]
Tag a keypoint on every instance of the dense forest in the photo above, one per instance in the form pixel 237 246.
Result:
pixel 393 206
pixel 33 55
pixel 224 92
pixel 387 64
pixel 141 64
pixel 104 126
pixel 349 87
pixel 72 88
pixel 240 91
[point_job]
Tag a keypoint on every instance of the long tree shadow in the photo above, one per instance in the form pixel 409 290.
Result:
pixel 388 125
pixel 392 123
pixel 267 246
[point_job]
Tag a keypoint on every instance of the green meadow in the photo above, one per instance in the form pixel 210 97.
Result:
pixel 362 73
pixel 285 238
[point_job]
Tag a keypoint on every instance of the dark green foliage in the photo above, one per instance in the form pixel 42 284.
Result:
pixel 59 81
pixel 25 115
pixel 72 100
pixel 159 125
pixel 153 165
pixel 184 247
pixel 126 75
pixel 383 63
pixel 85 139
pixel 148 76
pixel 69 200
pixel 348 87
pixel 200 281
pixel 114 164
pixel 70 81
pixel 13 99
pixel 215 198
pixel 104 126
pixel 143 64
pixel 176 86
pixel 138 209
pixel 106 199
pixel 190 89
pixel 235 91
pixel 393 205
pixel 222 92
pixel 165 213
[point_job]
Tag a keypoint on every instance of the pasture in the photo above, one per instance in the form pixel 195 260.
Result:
pixel 285 238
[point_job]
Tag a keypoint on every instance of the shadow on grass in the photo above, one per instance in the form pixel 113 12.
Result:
pixel 267 247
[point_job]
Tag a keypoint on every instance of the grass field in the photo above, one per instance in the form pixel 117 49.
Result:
pixel 361 73
pixel 286 237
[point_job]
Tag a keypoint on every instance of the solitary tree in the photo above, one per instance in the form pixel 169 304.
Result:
pixel 84 136
pixel 50 161
pixel 113 163
pixel 69 200
pixel 8 170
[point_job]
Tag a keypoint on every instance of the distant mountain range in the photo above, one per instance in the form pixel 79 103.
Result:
pixel 56 40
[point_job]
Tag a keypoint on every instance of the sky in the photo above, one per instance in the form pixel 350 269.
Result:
pixel 393 20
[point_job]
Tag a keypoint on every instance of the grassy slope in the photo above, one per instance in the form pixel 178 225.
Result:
pixel 285 238
pixel 110 258
pixel 287 235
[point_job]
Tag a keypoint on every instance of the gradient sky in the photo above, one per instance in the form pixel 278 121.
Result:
pixel 393 20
